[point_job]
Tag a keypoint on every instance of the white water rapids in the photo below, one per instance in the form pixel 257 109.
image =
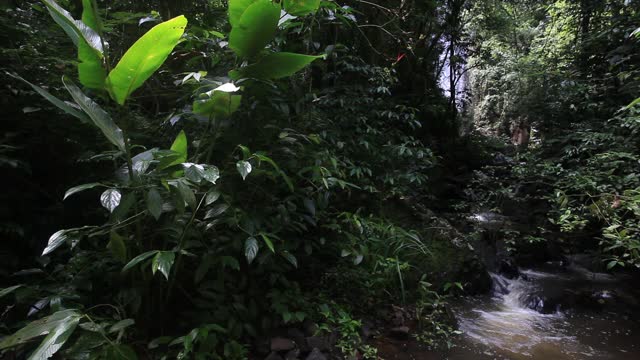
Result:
pixel 505 326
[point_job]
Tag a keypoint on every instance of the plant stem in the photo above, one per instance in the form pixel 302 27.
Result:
pixel 181 243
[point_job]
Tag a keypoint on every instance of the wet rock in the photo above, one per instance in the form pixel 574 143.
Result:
pixel 262 346
pixel 316 354
pixel 298 337
pixel 400 332
pixel 366 330
pixel 282 344
pixel 309 327
pixel 319 342
pixel 508 269
pixel 273 356
pixel 292 354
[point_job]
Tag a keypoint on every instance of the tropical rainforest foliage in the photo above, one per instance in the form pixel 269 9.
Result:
pixel 184 179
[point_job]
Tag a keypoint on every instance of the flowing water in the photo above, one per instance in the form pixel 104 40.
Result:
pixel 550 315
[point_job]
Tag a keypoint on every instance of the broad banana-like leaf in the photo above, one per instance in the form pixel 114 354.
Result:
pixel 54 100
pixel 144 57
pixel 219 102
pixel 99 117
pixel 57 326
pixel 255 29
pixel 91 71
pixel 301 7
pixel 236 9
pixel 76 29
pixel 90 15
pixel 275 66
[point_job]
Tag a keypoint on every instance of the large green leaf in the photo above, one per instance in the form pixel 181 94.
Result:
pixel 75 29
pixel 91 71
pixel 54 100
pixel 301 7
pixel 236 9
pixel 275 66
pixel 255 29
pixel 144 57
pixel 163 261
pixel 90 15
pixel 56 339
pixel 98 117
pixel 57 326
pixel 219 102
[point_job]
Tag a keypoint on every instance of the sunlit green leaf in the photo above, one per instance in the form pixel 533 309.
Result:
pixel 276 66
pixel 144 57
pixel 236 9
pixel 255 28
pixel 301 7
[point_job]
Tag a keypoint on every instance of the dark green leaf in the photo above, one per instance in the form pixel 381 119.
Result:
pixel 117 246
pixel 163 261
pixel 154 203
pixel 215 211
pixel 212 196
pixel 79 188
pixel 98 117
pixel 122 324
pixel 290 258
pixel 138 259
pixel 58 327
pixel 9 290
pixel 55 101
pixel 75 29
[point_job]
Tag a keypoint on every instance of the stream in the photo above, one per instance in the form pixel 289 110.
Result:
pixel 550 313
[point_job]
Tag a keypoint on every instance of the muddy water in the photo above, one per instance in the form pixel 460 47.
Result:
pixel 550 314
